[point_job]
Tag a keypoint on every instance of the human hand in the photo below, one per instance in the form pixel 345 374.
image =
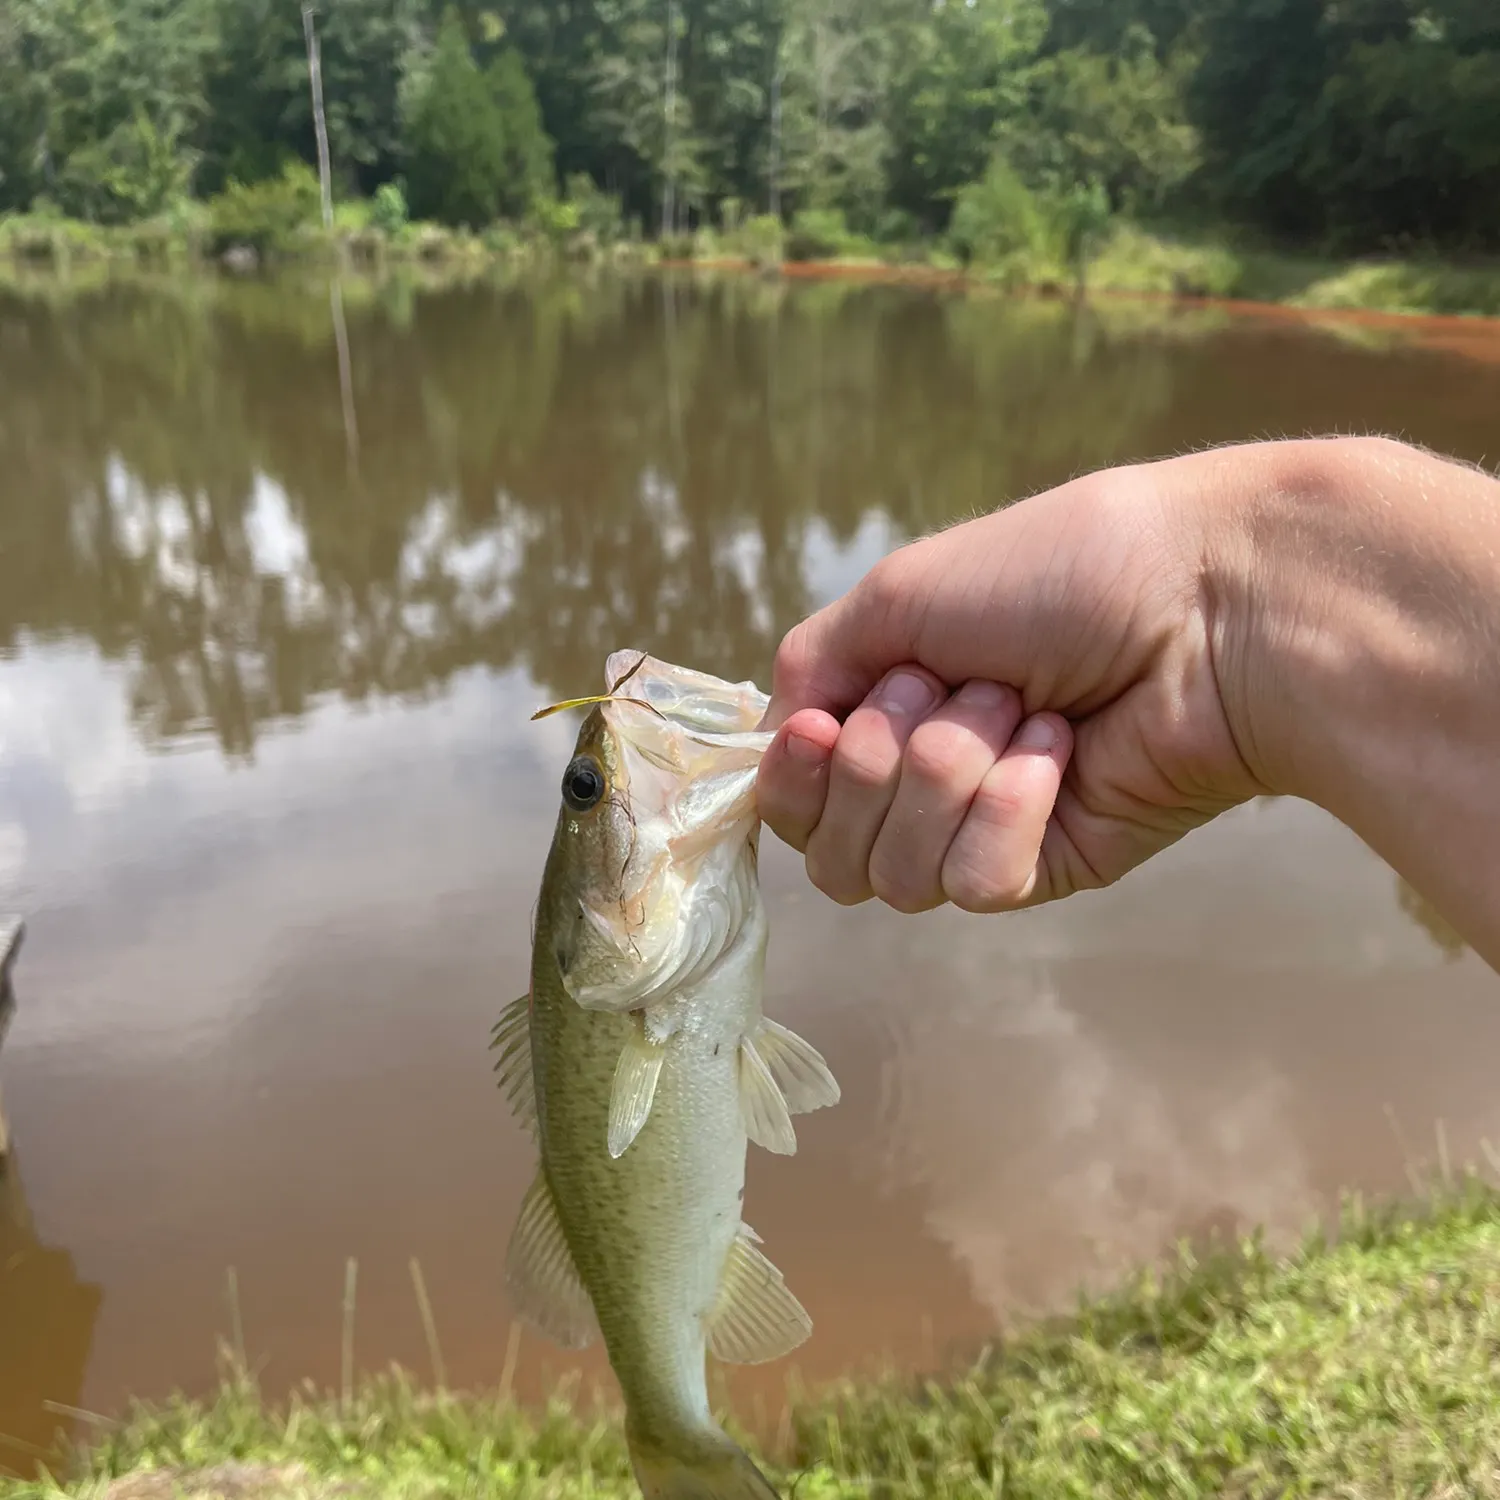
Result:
pixel 1026 705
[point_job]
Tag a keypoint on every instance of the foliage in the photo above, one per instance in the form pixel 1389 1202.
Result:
pixel 997 218
pixel 1118 119
pixel 388 211
pixel 265 216
pixel 596 212
pixel 1359 1365
pixel 526 153
pixel 761 239
pixel 1351 125
pixel 822 234
pixel 456 159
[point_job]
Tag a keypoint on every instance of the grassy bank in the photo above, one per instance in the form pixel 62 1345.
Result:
pixel 1125 258
pixel 1362 1365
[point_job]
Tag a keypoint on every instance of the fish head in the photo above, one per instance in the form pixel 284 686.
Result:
pixel 652 871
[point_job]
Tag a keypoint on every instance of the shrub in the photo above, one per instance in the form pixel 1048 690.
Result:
pixel 761 240
pixel 388 211
pixel 817 234
pixel 266 216
pixel 997 218
pixel 599 213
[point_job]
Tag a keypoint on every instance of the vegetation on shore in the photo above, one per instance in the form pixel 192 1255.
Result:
pixel 1362 1364
pixel 1124 258
pixel 1342 152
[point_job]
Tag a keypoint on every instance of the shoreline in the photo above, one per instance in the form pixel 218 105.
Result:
pixel 1479 329
pixel 1357 1363
pixel 1442 302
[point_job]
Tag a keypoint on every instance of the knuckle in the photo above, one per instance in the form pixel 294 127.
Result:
pixel 862 761
pixel 936 752
pixel 831 875
pixel 1000 807
pixel 893 883
pixel 979 886
pixel 792 657
pixel 788 829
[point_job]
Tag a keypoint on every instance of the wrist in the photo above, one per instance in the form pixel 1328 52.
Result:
pixel 1357 584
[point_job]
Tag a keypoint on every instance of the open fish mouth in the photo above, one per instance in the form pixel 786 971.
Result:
pixel 700 707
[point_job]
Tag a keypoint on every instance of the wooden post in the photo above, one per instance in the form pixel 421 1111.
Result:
pixel 325 187
pixel 320 128
pixel 12 931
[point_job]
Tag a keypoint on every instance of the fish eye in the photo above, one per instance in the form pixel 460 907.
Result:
pixel 583 783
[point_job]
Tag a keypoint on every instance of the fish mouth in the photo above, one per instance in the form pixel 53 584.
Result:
pixel 696 703
pixel 687 753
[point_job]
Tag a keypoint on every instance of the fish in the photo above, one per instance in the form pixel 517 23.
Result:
pixel 643 1066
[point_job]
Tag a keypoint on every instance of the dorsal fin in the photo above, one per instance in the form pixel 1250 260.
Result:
pixel 512 1036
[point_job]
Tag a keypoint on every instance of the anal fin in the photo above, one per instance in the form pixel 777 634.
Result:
pixel 798 1068
pixel 634 1089
pixel 512 1036
pixel 768 1122
pixel 544 1283
pixel 755 1318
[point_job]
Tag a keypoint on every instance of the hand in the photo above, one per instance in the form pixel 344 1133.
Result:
pixel 1021 707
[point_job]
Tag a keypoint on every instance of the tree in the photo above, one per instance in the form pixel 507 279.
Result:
pixel 957 78
pixel 260 109
pixel 108 93
pixel 455 137
pixel 526 149
pixel 1118 120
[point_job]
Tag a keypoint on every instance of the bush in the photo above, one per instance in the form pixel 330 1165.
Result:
pixel 137 171
pixel 997 219
pixel 265 216
pixel 817 234
pixel 388 211
pixel 555 219
pixel 599 214
pixel 761 240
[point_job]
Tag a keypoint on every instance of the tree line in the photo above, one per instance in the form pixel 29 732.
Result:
pixel 1354 125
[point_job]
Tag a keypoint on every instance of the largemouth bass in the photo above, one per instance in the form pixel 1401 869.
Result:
pixel 643 1065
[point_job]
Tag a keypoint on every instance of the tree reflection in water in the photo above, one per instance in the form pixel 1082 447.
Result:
pixel 547 471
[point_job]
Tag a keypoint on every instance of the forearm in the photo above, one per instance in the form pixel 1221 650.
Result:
pixel 1357 632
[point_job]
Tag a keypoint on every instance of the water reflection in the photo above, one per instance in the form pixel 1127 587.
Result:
pixel 47 1317
pixel 266 963
pixel 528 493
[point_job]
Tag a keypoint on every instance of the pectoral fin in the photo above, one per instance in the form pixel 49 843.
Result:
pixel 755 1318
pixel 762 1105
pixel 798 1067
pixel 539 1271
pixel 512 1035
pixel 634 1088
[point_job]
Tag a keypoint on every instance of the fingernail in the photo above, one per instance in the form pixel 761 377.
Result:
pixel 1037 734
pixel 902 693
pixel 982 694
pixel 800 748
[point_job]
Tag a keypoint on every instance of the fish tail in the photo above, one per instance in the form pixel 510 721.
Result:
pixel 705 1466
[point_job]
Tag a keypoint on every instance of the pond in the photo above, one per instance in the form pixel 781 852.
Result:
pixel 273 805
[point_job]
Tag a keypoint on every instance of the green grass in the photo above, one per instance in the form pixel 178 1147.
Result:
pixel 1366 1364
pixel 1137 260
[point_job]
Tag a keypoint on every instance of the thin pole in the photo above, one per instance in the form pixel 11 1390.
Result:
pixel 325 185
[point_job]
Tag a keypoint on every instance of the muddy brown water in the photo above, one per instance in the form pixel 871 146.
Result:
pixel 271 800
